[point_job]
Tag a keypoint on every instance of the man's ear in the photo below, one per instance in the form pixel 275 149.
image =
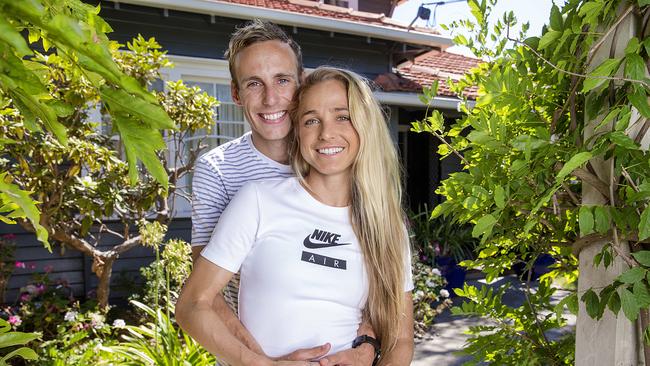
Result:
pixel 234 92
pixel 302 77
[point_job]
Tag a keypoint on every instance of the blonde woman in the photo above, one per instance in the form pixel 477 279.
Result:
pixel 319 252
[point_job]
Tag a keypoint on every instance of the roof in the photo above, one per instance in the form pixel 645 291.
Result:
pixel 316 8
pixel 309 14
pixel 411 76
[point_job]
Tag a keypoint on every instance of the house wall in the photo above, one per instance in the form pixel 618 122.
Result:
pixel 190 34
pixel 375 6
pixel 74 268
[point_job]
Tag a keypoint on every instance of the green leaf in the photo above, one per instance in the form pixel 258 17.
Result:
pixel 640 101
pixel 9 35
pixel 644 2
pixel 642 257
pixel 141 142
pixel 556 18
pixel 152 115
pixel 601 216
pixel 585 220
pixel 642 294
pixel 634 67
pixel 16 338
pixel 500 197
pixel 24 352
pixel 597 77
pixel 623 140
pixel 592 304
pixel 614 303
pixel 632 275
pixel 12 193
pixel 644 224
pixel 629 304
pixel 549 38
pixel 575 162
pixel 633 46
pixel 483 225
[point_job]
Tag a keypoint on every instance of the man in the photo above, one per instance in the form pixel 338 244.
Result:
pixel 266 68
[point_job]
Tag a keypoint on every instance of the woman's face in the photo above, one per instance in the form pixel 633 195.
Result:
pixel 328 141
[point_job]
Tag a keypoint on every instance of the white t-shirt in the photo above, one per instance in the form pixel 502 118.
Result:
pixel 303 278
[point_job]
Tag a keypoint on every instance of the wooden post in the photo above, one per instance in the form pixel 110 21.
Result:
pixel 612 340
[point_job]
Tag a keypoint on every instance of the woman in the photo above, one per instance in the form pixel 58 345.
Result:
pixel 317 252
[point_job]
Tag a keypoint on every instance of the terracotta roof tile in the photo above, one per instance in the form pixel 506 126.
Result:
pixel 425 69
pixel 315 8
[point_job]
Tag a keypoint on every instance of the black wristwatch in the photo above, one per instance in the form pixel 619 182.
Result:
pixel 368 339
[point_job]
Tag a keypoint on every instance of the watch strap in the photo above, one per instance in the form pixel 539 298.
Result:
pixel 373 342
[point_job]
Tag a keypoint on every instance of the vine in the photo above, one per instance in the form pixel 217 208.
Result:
pixel 554 157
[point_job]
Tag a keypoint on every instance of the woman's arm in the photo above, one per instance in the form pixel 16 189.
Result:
pixel 402 354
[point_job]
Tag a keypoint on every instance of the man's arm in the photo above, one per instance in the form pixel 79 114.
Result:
pixel 229 318
pixel 402 354
pixel 360 356
pixel 196 316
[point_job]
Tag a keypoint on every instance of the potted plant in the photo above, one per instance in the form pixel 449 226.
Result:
pixel 443 242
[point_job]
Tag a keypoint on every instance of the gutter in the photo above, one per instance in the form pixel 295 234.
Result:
pixel 238 11
pixel 413 100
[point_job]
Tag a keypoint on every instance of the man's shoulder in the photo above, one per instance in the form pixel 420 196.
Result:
pixel 237 148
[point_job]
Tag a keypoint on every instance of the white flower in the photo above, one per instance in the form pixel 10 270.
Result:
pixel 70 316
pixel 419 293
pixel 554 138
pixel 119 323
pixel 96 320
pixel 444 293
pixel 31 289
pixel 430 284
pixel 436 272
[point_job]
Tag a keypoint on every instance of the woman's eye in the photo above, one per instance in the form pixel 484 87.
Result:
pixel 343 118
pixel 311 121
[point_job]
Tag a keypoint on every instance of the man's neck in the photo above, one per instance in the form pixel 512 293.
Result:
pixel 273 149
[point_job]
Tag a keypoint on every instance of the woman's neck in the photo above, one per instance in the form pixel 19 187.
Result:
pixel 330 190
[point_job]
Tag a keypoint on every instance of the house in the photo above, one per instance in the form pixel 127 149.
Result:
pixel 354 34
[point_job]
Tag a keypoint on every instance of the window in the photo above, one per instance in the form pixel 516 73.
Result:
pixel 211 76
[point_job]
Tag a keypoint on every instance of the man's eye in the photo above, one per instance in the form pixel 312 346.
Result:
pixel 284 81
pixel 253 84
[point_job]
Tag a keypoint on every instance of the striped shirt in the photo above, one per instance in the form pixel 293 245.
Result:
pixel 218 176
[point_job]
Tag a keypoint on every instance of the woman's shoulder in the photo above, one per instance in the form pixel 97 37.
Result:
pixel 272 185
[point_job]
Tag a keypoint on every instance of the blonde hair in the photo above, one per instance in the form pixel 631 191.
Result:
pixel 376 200
pixel 254 32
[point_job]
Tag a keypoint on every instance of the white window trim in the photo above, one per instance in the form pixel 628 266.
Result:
pixel 195 69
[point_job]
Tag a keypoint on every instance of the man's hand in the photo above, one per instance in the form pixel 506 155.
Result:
pixel 362 356
pixel 306 354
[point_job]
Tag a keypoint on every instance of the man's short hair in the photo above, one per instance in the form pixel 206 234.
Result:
pixel 258 31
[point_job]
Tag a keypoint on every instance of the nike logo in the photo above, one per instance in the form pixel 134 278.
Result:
pixel 326 240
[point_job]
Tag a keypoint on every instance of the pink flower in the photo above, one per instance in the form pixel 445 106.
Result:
pixel 25 297
pixel 9 237
pixel 20 264
pixel 15 320
pixel 48 268
pixel 31 266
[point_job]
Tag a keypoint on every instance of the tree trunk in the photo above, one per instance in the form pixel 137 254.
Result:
pixel 103 271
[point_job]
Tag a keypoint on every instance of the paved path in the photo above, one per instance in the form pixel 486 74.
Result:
pixel 447 335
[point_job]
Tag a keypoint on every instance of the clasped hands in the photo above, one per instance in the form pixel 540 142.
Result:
pixel 361 356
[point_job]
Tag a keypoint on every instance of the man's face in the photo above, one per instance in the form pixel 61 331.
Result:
pixel 267 77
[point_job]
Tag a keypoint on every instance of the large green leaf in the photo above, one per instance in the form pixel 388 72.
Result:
pixel 640 290
pixel 644 224
pixel 629 304
pixel 16 338
pixel 152 115
pixel 639 100
pixel 592 303
pixel 632 275
pixel 549 38
pixel 12 37
pixel 596 78
pixel 634 67
pixel 141 142
pixel 23 352
pixel 575 162
pixel 642 257
pixel 12 193
pixel 585 220
pixel 483 225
